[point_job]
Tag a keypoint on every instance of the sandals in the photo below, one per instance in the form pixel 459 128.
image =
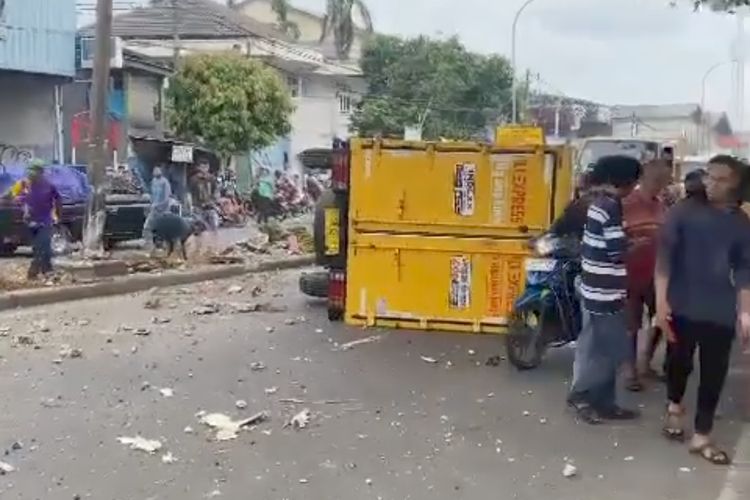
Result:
pixel 711 453
pixel 674 429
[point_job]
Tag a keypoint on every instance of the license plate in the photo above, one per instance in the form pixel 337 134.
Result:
pixel 332 230
pixel 540 265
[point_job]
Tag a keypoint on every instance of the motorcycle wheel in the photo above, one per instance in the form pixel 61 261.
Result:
pixel 525 343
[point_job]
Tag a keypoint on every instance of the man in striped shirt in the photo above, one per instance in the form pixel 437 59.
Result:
pixel 603 344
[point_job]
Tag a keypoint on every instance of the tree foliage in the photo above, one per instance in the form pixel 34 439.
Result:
pixel 719 5
pixel 230 103
pixel 339 21
pixel 438 84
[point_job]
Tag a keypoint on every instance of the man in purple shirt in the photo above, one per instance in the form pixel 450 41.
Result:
pixel 39 201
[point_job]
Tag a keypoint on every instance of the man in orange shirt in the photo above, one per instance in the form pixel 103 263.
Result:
pixel 643 212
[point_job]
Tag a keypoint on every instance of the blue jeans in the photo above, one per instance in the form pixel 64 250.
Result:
pixel 602 346
pixel 41 244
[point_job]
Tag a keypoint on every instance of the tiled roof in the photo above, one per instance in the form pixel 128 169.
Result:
pixel 195 18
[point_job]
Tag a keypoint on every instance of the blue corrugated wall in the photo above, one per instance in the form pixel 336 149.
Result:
pixel 38 36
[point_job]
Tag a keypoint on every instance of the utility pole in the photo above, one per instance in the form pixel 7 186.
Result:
pixel 96 213
pixel 175 35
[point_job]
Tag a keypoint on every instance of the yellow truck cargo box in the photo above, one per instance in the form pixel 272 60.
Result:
pixel 461 284
pixel 456 188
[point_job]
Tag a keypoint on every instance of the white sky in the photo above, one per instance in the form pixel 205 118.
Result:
pixel 611 51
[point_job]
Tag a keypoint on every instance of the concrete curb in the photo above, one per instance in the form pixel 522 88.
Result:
pixel 139 283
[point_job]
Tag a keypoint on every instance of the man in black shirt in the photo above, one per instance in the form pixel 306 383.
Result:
pixel 703 297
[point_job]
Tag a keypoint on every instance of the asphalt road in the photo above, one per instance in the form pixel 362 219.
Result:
pixel 386 424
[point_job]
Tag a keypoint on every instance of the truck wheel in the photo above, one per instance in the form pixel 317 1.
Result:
pixel 314 284
pixel 8 249
pixel 525 342
pixel 326 200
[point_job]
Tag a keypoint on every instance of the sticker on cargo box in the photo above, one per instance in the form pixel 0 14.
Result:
pixel 464 187
pixel 518 193
pixel 495 288
pixel 460 292
pixel 500 169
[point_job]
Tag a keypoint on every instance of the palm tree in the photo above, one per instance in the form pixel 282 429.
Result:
pixel 339 21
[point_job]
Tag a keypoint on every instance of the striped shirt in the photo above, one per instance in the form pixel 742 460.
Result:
pixel 604 276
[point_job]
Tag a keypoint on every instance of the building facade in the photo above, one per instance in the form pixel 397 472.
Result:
pixel 37 57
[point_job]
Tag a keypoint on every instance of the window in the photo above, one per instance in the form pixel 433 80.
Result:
pixel 345 103
pixel 295 85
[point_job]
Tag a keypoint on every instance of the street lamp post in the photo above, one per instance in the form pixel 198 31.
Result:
pixel 704 133
pixel 514 81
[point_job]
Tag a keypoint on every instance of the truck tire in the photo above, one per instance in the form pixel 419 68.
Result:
pixel 326 200
pixel 314 284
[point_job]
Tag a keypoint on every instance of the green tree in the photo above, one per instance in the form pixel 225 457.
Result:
pixel 281 9
pixel 437 84
pixel 230 103
pixel 339 22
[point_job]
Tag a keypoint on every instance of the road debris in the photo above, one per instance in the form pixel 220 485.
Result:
pixel 235 289
pixel 188 430
pixel 6 468
pixel 569 471
pixel 257 366
pixel 629 458
pixel 213 494
pixel 226 428
pixel 70 352
pixel 41 326
pixel 142 332
pixel 471 352
pixel 428 359
pixel 254 307
pixel 318 330
pixel 153 303
pixel 157 320
pixel 301 420
pixel 141 444
pixel 494 361
pixel 240 404
pixel 543 421
pixel 167 392
pixel 4 331
pixel 168 458
pixel 23 340
pixel 270 329
pixel 206 309
pixel 354 343
pixel 686 469
pixel 271 390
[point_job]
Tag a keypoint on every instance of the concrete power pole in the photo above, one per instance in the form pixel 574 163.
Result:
pixel 96 213
pixel 176 35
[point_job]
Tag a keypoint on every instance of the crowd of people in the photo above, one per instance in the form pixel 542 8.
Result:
pixel 685 262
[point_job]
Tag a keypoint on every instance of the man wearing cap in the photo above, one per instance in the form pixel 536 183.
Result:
pixel 41 205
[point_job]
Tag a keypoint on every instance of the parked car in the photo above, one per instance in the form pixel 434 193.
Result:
pixel 74 191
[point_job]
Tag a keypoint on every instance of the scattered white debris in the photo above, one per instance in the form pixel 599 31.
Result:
pixel 205 309
pixel 354 343
pixel 526 413
pixel 152 303
pixel 472 352
pixel 241 404
pixel 167 392
pixel 569 470
pixel 235 289
pixel 271 390
pixel 290 322
pixel 686 469
pixel 6 468
pixel 303 481
pixel 318 330
pixel 213 494
pixel 141 444
pixel 188 430
pixel 168 458
pixel 257 366
pixel 4 331
pixel 368 481
pixel 270 329
pixel 142 332
pixel 428 359
pixel 301 419
pixel 157 320
pixel 543 421
pixel 69 352
pixel 629 458
pixel 41 326
pixel 226 428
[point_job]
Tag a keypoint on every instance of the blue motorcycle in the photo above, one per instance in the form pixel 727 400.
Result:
pixel 547 314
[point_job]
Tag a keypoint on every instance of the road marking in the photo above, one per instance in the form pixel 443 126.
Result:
pixel 737 484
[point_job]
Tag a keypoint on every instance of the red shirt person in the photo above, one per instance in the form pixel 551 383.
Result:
pixel 644 212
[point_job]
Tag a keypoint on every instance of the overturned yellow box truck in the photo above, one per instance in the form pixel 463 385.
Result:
pixel 434 235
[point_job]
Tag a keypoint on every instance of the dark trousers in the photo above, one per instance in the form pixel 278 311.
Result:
pixel 41 244
pixel 714 344
pixel 263 208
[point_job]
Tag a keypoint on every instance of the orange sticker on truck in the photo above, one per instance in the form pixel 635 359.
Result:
pixel 494 288
pixel 518 193
pixel 514 284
